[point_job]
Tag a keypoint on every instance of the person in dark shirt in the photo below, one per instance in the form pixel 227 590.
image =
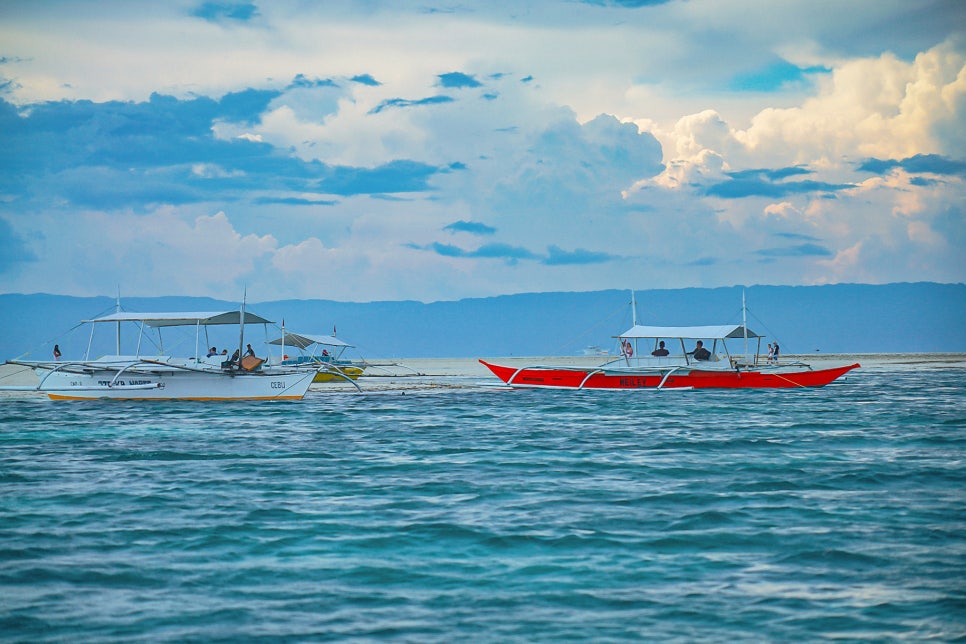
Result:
pixel 660 351
pixel 700 353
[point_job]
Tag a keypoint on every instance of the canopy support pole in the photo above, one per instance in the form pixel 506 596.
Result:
pixel 241 328
pixel 87 356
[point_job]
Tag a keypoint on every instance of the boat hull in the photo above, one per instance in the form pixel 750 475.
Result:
pixel 174 385
pixel 599 378
pixel 352 373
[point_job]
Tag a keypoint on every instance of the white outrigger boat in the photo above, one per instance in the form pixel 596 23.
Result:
pixel 315 353
pixel 163 377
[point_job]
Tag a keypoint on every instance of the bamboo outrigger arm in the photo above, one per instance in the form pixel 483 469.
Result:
pixel 334 370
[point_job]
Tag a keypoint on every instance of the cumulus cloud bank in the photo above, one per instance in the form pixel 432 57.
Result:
pixel 387 151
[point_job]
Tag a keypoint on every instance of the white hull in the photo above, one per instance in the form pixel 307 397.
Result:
pixel 161 382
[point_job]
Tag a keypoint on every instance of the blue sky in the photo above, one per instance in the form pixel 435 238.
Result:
pixel 383 150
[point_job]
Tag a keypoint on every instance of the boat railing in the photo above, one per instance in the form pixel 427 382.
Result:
pixel 215 360
pixel 110 360
pixel 647 361
pixel 781 364
pixel 717 361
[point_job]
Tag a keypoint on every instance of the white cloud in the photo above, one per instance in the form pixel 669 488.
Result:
pixel 213 171
pixel 145 254
pixel 846 266
pixel 921 233
pixel 881 107
pixel 784 210
pixel 545 151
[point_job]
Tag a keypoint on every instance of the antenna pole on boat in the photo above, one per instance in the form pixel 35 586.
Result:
pixel 744 321
pixel 117 309
pixel 283 340
pixel 241 327
pixel 633 320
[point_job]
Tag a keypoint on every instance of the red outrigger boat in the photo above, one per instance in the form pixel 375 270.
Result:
pixel 664 367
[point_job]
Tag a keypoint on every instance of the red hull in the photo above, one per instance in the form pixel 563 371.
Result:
pixel 564 378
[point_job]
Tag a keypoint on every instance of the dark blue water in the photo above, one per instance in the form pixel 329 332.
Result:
pixel 491 516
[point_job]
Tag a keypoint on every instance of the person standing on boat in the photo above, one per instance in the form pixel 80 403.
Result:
pixel 775 355
pixel 249 351
pixel 626 348
pixel 700 353
pixel 771 352
pixel 57 353
pixel 660 352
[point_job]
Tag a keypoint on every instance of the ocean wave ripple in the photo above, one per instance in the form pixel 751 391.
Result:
pixel 491 515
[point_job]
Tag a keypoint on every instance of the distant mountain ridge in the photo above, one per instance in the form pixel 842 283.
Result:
pixel 839 318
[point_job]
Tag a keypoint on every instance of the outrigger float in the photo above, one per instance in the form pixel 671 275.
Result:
pixel 667 363
pixel 163 377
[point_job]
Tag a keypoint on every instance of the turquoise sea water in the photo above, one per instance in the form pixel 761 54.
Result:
pixel 473 514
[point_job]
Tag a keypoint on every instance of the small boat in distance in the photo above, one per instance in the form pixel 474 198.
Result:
pixel 657 357
pixel 162 377
pixel 329 364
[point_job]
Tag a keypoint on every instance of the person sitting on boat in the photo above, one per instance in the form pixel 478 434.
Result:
pixel 626 348
pixel 234 357
pixel 660 351
pixel 249 351
pixel 700 353
pixel 212 352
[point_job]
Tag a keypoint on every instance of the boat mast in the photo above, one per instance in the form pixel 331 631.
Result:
pixel 117 309
pixel 283 341
pixel 241 328
pixel 744 321
pixel 634 316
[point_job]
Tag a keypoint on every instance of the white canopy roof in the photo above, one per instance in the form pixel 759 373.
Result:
pixel 301 341
pixel 182 319
pixel 714 332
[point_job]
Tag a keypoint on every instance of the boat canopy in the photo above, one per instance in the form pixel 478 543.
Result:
pixel 689 332
pixel 301 341
pixel 182 319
